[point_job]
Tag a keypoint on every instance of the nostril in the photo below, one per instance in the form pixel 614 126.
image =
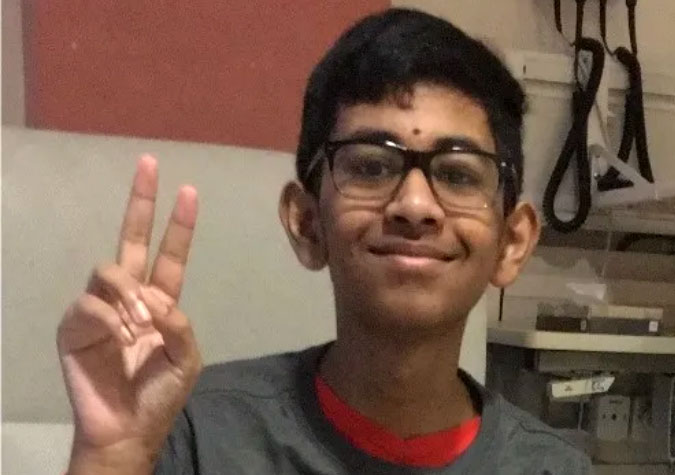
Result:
pixel 424 221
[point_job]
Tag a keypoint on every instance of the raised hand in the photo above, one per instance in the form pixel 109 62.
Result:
pixel 128 354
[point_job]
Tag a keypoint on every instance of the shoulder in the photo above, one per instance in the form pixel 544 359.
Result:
pixel 520 441
pixel 264 377
pixel 526 436
pixel 248 403
pixel 517 420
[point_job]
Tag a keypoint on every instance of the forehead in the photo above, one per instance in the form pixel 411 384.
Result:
pixel 428 114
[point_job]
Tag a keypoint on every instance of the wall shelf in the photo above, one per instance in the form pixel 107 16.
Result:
pixel 504 334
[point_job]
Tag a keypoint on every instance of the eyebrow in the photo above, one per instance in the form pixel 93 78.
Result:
pixel 459 141
pixel 374 135
pixel 378 135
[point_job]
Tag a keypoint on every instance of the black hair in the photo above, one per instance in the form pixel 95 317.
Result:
pixel 386 55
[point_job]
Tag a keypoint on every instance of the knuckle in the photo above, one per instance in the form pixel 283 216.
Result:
pixel 169 308
pixel 196 366
pixel 70 311
pixel 87 303
pixel 103 270
pixel 115 280
pixel 82 305
pixel 183 328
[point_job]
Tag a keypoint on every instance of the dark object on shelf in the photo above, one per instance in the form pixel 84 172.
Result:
pixel 611 326
pixel 551 323
pixel 624 326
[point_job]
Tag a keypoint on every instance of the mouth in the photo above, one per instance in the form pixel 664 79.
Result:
pixel 411 253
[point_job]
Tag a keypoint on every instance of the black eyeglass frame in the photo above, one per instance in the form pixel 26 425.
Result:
pixel 422 160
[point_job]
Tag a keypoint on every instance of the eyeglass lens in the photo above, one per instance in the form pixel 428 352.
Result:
pixel 373 172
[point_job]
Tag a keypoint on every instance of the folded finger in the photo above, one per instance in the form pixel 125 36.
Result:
pixel 179 341
pixel 114 284
pixel 88 321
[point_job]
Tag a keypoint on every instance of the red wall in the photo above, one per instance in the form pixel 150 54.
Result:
pixel 229 72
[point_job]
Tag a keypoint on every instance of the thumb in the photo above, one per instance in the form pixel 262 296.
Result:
pixel 180 345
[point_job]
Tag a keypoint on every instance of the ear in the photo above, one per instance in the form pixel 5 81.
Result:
pixel 519 238
pixel 299 214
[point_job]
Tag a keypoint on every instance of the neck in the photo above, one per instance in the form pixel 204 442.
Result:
pixel 409 386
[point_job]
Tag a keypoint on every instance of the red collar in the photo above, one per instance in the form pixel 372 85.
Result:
pixel 431 450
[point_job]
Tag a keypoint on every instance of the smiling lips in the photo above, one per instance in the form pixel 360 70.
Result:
pixel 411 254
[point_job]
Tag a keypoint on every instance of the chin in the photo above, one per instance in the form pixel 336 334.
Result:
pixel 409 313
pixel 406 304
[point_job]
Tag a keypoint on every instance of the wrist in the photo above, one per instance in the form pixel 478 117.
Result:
pixel 128 457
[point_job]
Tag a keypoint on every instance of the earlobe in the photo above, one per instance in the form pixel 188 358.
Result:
pixel 299 214
pixel 519 238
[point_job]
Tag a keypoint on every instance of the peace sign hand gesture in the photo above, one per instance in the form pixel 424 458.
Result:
pixel 128 354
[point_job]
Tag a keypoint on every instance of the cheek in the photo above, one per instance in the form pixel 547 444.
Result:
pixel 481 242
pixel 347 232
pixel 346 225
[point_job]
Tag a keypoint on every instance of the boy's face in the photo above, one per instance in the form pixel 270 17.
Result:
pixel 411 262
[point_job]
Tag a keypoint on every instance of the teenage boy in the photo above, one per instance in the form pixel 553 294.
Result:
pixel 409 169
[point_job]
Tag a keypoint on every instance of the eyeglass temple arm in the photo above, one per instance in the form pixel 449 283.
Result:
pixel 312 164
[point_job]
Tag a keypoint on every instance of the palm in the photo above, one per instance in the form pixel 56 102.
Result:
pixel 114 389
pixel 122 392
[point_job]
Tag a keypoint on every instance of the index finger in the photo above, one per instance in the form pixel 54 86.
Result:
pixel 132 251
pixel 169 266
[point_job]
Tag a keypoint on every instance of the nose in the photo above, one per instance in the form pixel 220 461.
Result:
pixel 415 209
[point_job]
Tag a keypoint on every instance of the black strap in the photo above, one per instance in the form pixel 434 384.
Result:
pixel 576 145
pixel 578 35
pixel 581 4
pixel 631 4
pixel 634 130
pixel 634 126
pixel 558 21
pixel 579 30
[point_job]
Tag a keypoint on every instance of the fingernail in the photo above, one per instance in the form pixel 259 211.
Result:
pixel 126 334
pixel 141 312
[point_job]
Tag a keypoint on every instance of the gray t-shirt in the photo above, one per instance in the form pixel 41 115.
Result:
pixel 262 417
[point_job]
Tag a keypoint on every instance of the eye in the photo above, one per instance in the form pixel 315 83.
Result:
pixel 466 171
pixel 369 166
pixel 457 176
pixel 367 162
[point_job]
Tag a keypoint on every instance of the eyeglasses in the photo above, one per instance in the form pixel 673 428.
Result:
pixel 460 177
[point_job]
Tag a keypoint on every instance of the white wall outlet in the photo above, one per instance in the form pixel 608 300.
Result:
pixel 609 417
pixel 562 390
